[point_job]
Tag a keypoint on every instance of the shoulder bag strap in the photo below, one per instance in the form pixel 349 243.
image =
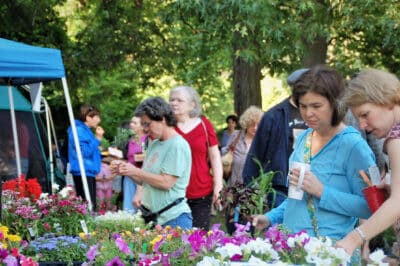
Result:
pixel 169 206
pixel 205 130
pixel 235 142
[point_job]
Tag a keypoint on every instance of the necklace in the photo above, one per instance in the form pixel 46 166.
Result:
pixel 310 200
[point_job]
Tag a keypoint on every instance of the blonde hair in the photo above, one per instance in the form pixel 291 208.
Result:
pixel 250 116
pixel 373 86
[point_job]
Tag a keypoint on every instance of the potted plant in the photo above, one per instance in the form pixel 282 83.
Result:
pixel 120 221
pixel 11 246
pixel 241 201
pixel 59 213
pixel 51 249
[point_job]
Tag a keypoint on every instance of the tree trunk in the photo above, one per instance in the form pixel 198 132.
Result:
pixel 246 81
pixel 315 52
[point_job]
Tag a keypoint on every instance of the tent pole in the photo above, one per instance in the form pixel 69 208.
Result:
pixel 76 141
pixel 46 108
pixel 14 129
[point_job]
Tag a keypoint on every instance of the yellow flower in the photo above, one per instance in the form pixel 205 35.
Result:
pixel 169 237
pixel 155 240
pixel 14 238
pixel 4 229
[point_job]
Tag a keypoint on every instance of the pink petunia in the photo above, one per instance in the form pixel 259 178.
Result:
pixel 116 261
pixel 92 252
pixel 123 246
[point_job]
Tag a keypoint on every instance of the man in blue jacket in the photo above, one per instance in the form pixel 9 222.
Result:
pixel 273 143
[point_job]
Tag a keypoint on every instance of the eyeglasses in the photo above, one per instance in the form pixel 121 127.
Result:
pixel 146 124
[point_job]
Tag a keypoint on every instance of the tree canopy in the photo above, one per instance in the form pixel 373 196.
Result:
pixel 118 52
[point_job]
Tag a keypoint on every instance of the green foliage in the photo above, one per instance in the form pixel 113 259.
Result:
pixel 140 48
pixel 122 137
pixel 248 199
pixel 120 221
pixel 263 184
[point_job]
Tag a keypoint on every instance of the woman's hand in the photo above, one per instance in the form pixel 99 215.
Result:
pixel 137 199
pixel 127 169
pixel 349 243
pixel 216 200
pixel 114 167
pixel 260 221
pixel 311 183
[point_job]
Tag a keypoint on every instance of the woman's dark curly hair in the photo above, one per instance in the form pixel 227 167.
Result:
pixel 157 109
pixel 326 82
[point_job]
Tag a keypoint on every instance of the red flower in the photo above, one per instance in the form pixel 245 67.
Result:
pixel 26 188
pixel 14 252
pixel 47 226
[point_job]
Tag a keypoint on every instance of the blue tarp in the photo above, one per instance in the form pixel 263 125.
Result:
pixel 25 64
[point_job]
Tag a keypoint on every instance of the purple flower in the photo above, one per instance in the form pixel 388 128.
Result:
pixel 158 244
pixel 116 235
pixel 115 262
pixel 215 237
pixel 236 257
pixel 177 253
pixel 10 261
pixel 123 246
pixel 277 238
pixel 3 253
pixel 165 260
pixel 24 244
pixel 92 252
pixel 196 240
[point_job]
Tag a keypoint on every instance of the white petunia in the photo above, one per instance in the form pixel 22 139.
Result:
pixel 377 257
pixel 229 250
pixel 257 262
pixel 298 238
pixel 260 246
pixel 65 192
pixel 209 261
pixel 43 195
pixel 55 187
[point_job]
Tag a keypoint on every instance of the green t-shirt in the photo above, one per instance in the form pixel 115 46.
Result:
pixel 170 157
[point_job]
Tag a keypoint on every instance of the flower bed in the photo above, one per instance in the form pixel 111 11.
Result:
pixel 169 246
pixel 121 238
pixel 59 213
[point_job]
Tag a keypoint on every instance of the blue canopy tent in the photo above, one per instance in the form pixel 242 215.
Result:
pixel 22 64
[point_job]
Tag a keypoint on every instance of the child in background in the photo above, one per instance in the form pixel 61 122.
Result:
pixel 104 187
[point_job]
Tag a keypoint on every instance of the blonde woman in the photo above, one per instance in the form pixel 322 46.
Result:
pixel 374 98
pixel 240 142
